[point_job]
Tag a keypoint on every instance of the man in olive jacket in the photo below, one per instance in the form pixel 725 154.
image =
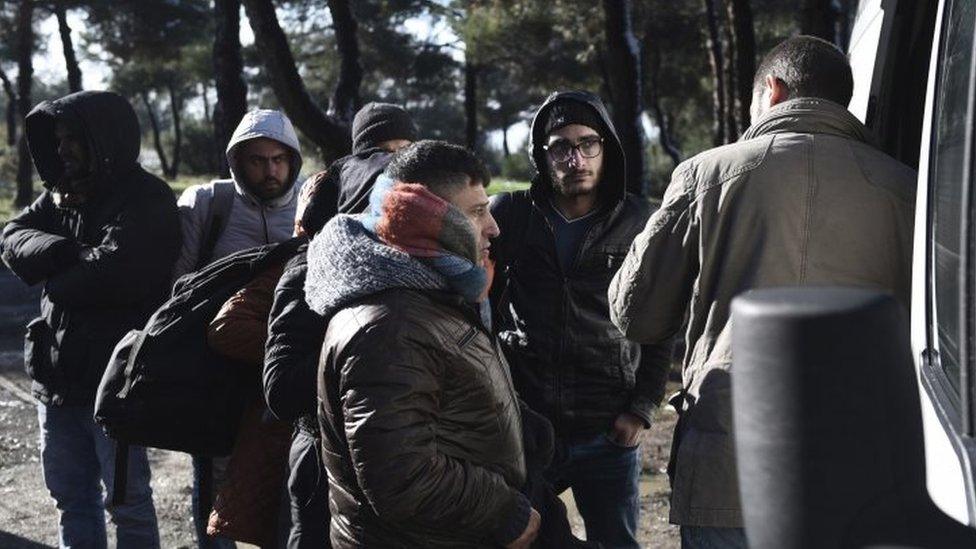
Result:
pixel 421 427
pixel 802 199
pixel 102 239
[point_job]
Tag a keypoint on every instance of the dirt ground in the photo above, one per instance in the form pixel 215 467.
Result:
pixel 28 518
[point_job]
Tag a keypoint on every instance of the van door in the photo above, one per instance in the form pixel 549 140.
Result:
pixel 944 272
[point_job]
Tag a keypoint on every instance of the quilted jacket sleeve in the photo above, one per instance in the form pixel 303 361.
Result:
pixel 132 261
pixel 295 334
pixel 31 245
pixel 241 326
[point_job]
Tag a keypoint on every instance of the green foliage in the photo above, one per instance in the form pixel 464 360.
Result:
pixel 199 154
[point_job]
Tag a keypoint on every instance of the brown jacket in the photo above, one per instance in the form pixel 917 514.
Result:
pixel 801 199
pixel 420 425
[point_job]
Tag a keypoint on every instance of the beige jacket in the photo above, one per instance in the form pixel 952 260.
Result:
pixel 801 199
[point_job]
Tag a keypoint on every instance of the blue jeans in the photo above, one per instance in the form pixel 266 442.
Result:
pixel 604 478
pixel 699 537
pixel 201 513
pixel 76 458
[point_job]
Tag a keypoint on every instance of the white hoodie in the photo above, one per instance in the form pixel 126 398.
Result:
pixel 252 222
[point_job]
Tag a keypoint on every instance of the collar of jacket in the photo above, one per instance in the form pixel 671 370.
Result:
pixel 274 203
pixel 809 115
pixel 346 263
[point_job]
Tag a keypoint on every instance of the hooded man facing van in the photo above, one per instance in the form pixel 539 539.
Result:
pixel 257 206
pixel 102 238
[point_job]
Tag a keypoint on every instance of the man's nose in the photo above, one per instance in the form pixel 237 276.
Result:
pixel 493 230
pixel 575 157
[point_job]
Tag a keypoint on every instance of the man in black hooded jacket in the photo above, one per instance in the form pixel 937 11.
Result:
pixel 560 244
pixel 296 332
pixel 102 238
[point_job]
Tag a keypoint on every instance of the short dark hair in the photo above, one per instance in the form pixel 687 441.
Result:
pixel 810 67
pixel 440 166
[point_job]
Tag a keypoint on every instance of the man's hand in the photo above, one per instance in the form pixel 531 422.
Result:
pixel 627 429
pixel 530 532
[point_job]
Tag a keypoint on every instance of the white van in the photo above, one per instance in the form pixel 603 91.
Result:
pixel 915 87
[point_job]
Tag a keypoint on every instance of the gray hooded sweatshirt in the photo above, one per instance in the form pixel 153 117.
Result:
pixel 252 222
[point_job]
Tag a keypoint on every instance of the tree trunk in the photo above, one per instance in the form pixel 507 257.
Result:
pixel 731 83
pixel 331 136
pixel 345 99
pixel 819 18
pixel 744 39
pixel 176 109
pixel 228 71
pixel 714 47
pixel 505 150
pixel 8 88
pixel 70 60
pixel 471 104
pixel 157 140
pixel 207 115
pixel 623 53
pixel 25 51
pixel 660 118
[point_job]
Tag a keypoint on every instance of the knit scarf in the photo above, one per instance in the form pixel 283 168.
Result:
pixel 412 219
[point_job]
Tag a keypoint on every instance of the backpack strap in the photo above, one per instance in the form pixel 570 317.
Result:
pixel 217 216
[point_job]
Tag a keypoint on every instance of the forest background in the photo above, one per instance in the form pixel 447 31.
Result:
pixel 676 74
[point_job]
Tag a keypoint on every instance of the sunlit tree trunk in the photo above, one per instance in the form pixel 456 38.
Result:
pixel 329 134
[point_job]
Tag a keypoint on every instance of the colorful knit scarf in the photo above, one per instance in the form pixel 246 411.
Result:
pixel 412 219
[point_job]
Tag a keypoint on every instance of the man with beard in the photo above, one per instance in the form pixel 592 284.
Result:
pixel 102 239
pixel 561 242
pixel 253 208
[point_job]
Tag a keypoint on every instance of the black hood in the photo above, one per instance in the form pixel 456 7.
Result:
pixel 613 183
pixel 110 128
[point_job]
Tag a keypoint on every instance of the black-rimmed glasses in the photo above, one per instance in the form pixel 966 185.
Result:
pixel 562 150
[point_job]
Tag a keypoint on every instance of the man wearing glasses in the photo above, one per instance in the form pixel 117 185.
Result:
pixel 561 242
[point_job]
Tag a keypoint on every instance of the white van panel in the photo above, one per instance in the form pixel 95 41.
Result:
pixel 863 53
pixel 943 469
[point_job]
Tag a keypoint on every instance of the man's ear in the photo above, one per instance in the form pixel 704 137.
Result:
pixel 778 91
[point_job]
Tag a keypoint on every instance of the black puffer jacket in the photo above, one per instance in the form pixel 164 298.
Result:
pixel 568 360
pixel 128 232
pixel 294 331
pixel 291 357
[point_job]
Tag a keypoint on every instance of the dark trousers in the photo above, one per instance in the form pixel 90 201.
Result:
pixel 697 537
pixel 308 491
pixel 604 478
pixel 206 473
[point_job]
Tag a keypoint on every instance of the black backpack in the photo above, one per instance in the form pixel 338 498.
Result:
pixel 164 386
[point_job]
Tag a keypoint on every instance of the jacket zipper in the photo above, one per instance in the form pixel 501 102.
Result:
pixel 264 222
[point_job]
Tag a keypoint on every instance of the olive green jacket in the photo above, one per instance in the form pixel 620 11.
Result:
pixel 802 199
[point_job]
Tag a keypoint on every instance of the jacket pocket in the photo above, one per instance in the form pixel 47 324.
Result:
pixel 38 345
